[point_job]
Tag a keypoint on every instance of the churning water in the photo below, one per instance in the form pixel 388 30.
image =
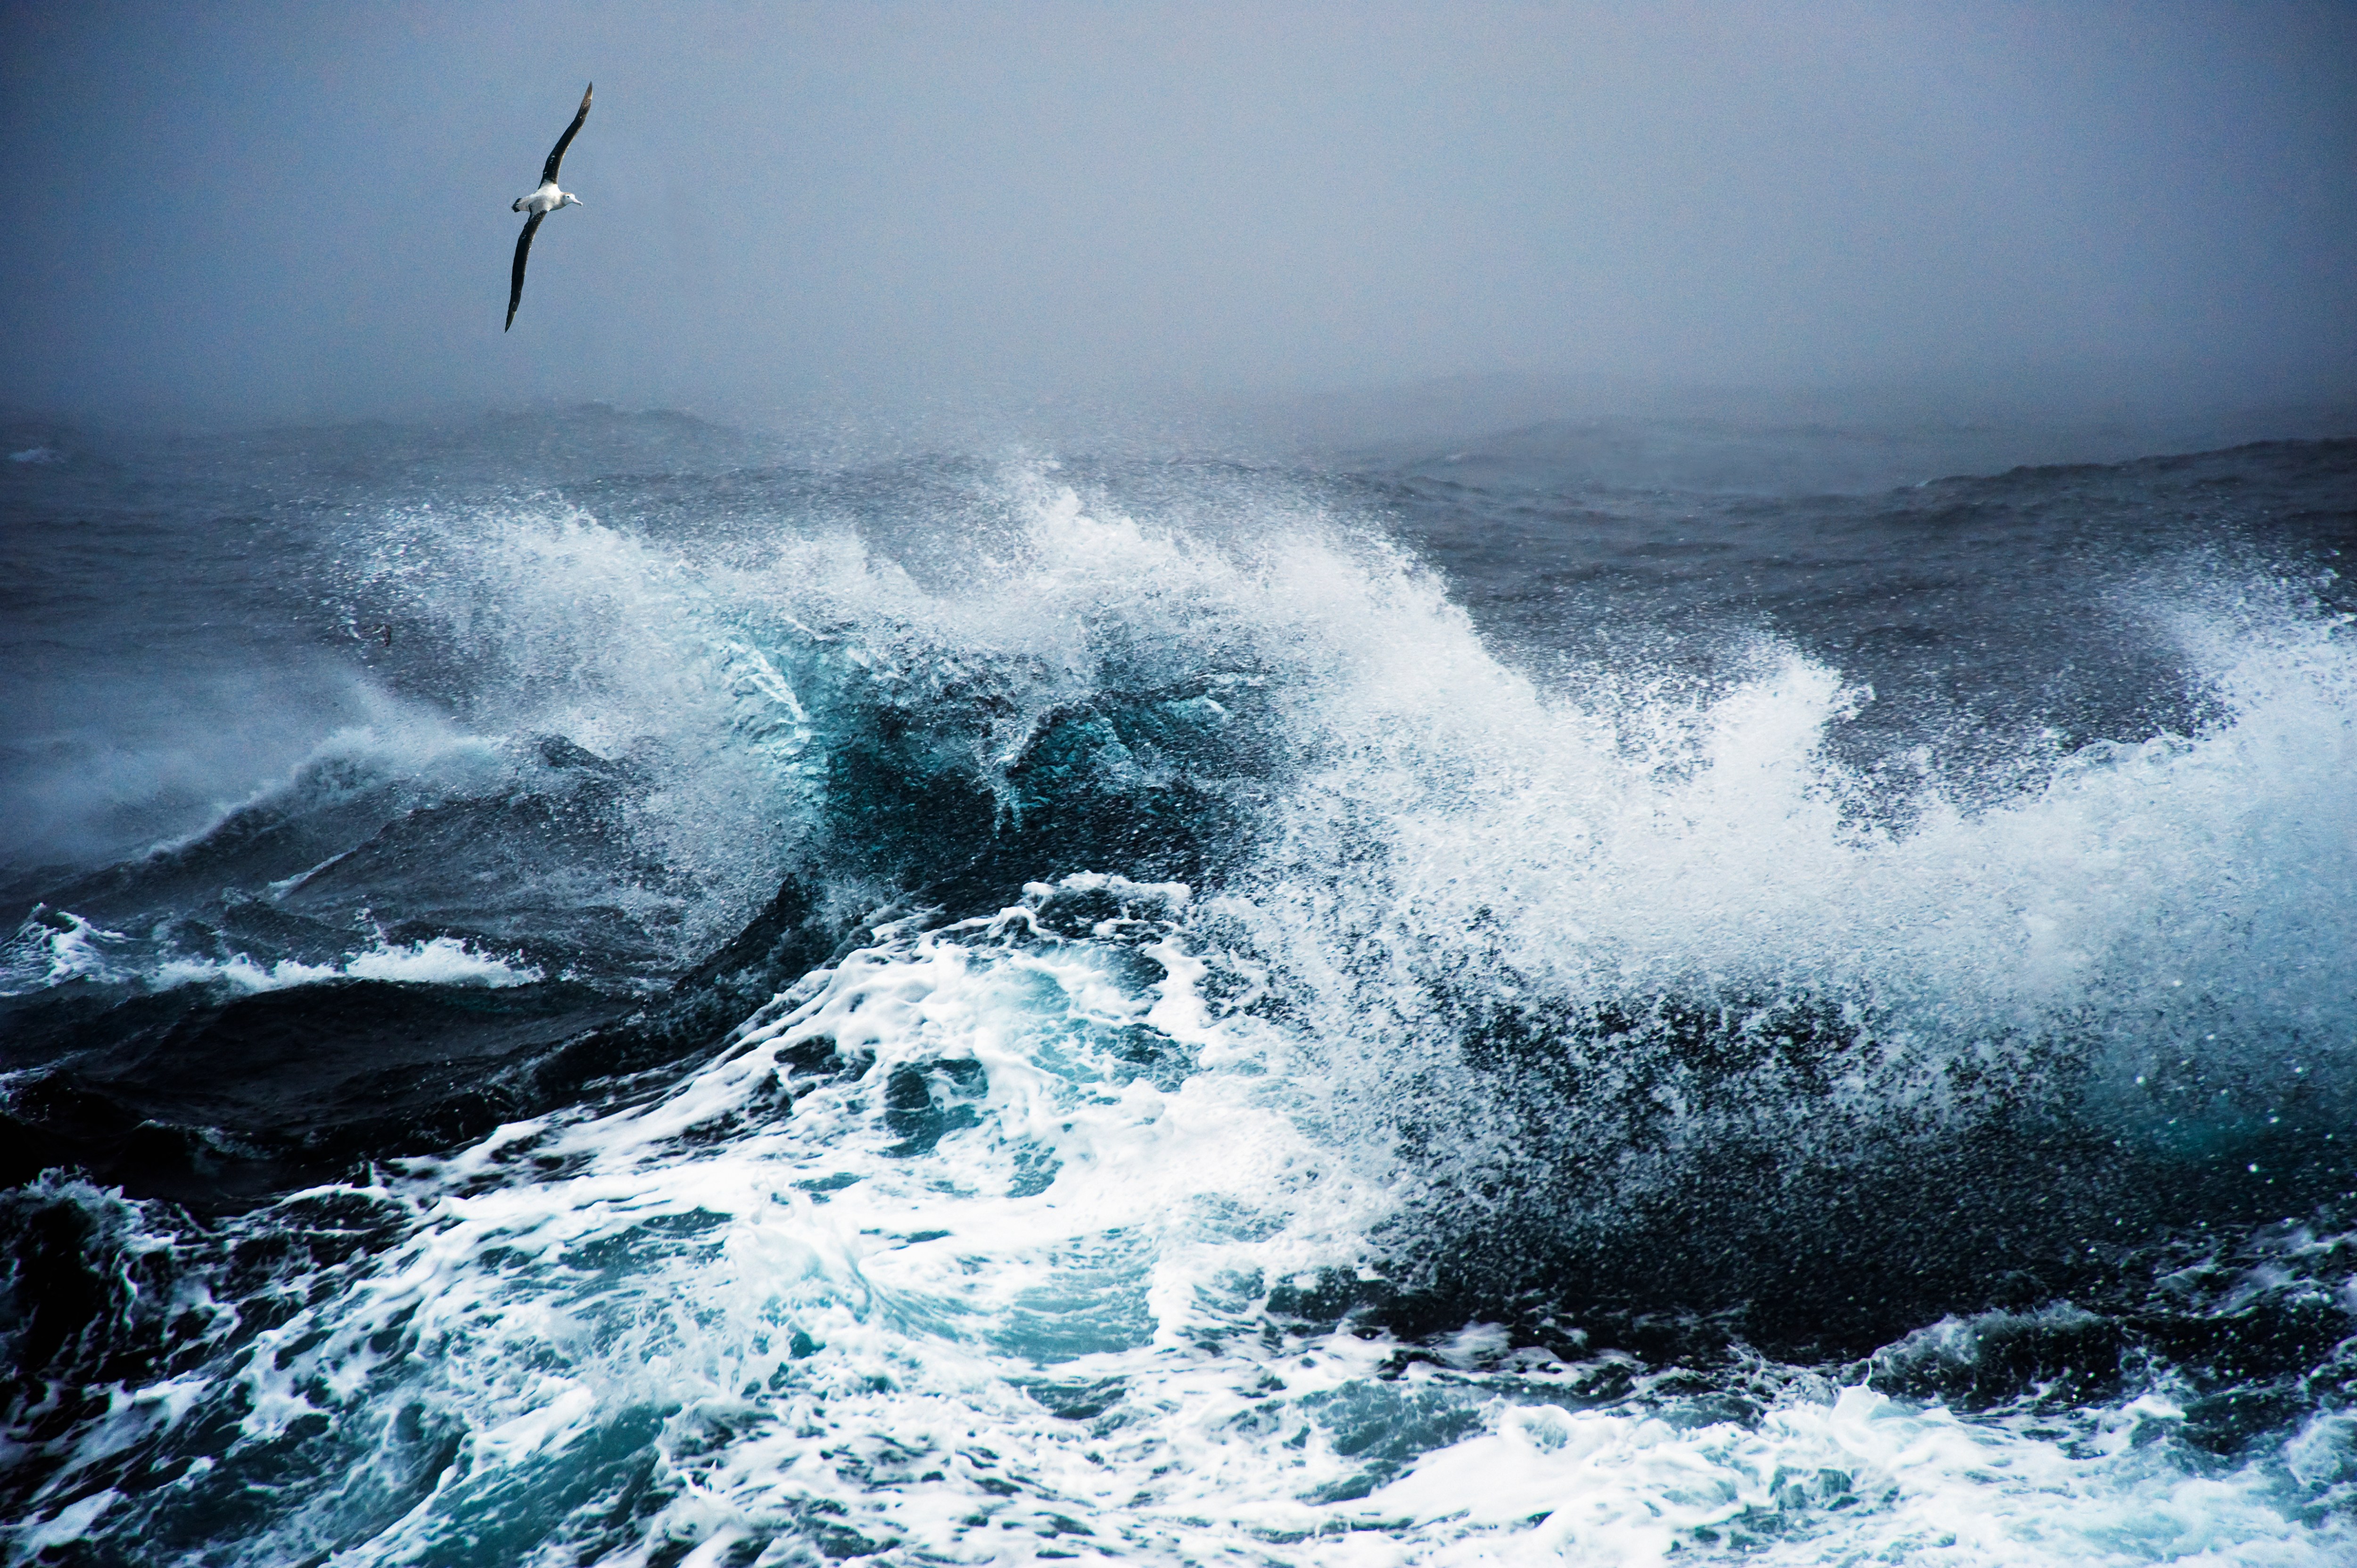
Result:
pixel 585 994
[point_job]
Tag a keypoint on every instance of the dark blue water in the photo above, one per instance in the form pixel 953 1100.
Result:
pixel 584 990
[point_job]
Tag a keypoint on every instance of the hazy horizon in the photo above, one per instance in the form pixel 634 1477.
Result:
pixel 269 214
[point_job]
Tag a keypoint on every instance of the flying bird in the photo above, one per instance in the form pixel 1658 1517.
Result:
pixel 543 202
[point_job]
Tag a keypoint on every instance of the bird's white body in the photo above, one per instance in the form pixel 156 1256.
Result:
pixel 541 203
pixel 547 198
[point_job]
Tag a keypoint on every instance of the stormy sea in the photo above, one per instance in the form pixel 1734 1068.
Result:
pixel 583 987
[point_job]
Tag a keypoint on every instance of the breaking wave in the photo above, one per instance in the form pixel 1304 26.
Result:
pixel 1230 1065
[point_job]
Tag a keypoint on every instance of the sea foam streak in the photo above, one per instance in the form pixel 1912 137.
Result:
pixel 1003 1233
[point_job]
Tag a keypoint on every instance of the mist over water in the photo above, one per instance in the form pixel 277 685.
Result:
pixel 275 214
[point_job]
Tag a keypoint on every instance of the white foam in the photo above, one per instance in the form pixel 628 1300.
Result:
pixel 1860 1479
pixel 55 947
pixel 58 947
pixel 442 961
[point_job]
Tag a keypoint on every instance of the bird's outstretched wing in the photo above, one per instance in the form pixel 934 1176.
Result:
pixel 523 249
pixel 548 172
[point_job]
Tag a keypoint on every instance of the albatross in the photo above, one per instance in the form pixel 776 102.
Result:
pixel 543 202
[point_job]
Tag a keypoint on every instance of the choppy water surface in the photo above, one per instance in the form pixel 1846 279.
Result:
pixel 585 993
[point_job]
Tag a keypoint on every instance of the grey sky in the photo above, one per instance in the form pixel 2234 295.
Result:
pixel 299 210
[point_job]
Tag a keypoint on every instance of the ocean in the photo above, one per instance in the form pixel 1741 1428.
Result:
pixel 588 988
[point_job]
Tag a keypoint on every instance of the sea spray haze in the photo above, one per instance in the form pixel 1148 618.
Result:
pixel 275 211
pixel 987 1010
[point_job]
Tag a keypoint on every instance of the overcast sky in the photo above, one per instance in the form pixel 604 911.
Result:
pixel 276 210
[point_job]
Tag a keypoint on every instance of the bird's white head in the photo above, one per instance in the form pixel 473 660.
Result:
pixel 570 200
